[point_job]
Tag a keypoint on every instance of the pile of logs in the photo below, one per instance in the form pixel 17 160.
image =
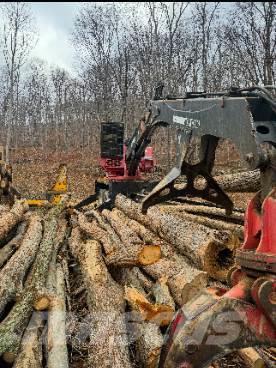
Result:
pixel 132 271
pixel 32 282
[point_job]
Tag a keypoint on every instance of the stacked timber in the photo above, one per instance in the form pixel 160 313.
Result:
pixel 107 284
pixel 32 283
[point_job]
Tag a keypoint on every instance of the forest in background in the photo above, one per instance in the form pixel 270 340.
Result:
pixel 123 52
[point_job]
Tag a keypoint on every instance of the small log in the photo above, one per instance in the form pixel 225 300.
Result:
pixel 252 358
pixel 7 251
pixel 30 354
pixel 162 294
pixel 160 314
pixel 205 247
pixel 10 219
pixel 134 252
pixel 13 272
pixel 128 277
pixel 57 349
pixel 108 344
pixel 147 336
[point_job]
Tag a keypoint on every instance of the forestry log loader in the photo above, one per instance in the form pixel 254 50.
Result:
pixel 217 321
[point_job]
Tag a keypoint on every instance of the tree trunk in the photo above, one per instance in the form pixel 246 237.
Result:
pixel 134 252
pixel 182 279
pixel 162 294
pixel 30 354
pixel 9 219
pixel 7 251
pixel 146 335
pixel 57 349
pixel 247 181
pixel 109 345
pixel 14 271
pixel 203 246
pixel 11 329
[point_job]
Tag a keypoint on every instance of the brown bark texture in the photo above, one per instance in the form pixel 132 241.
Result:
pixel 109 344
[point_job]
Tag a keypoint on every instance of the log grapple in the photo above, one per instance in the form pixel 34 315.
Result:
pixel 217 321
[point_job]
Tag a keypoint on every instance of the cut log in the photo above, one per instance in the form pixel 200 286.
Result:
pixel 205 247
pixel 148 344
pixel 11 218
pixel 57 348
pixel 108 340
pixel 13 272
pixel 134 252
pixel 204 210
pixel 96 232
pixel 160 314
pixel 45 295
pixel 7 251
pixel 201 218
pixel 147 336
pixel 161 293
pixel 13 326
pixel 128 277
pixel 182 279
pixel 252 358
pixel 247 181
pixel 30 354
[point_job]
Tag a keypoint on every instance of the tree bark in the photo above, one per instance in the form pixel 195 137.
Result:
pixel 9 219
pixel 134 252
pixel 108 345
pixel 208 249
pixel 146 335
pixel 14 271
pixel 247 181
pixel 8 250
pixel 162 294
pixel 182 279
pixel 12 328
pixel 57 349
pixel 30 354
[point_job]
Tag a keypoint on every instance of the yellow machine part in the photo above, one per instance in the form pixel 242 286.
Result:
pixel 54 195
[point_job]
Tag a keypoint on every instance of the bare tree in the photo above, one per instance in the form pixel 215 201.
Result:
pixel 17 40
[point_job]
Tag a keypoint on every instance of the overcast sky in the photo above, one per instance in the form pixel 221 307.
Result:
pixel 55 22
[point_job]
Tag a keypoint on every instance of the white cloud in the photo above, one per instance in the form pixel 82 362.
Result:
pixel 55 23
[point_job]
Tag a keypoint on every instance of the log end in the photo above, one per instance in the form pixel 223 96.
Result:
pixel 190 289
pixel 149 254
pixel 218 260
pixel 153 358
pixel 9 357
pixel 42 303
